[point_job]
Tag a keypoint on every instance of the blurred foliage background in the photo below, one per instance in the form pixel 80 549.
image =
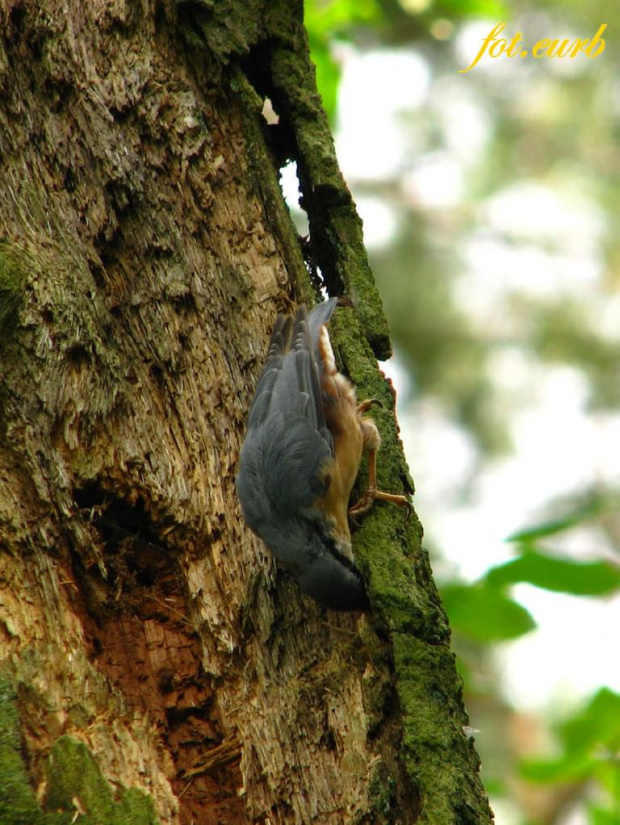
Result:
pixel 489 201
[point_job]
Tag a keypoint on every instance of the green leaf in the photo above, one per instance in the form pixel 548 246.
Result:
pixel 590 739
pixel 602 816
pixel 595 725
pixel 547 528
pixel 493 9
pixel 570 769
pixel 337 17
pixel 560 575
pixel 327 75
pixel 484 613
pixel 327 20
pixel 593 507
pixel 608 774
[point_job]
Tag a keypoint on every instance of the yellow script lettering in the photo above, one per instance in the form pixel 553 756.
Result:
pixel 597 41
pixel 493 34
pixel 542 44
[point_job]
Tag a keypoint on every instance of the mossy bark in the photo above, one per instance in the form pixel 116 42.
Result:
pixel 155 666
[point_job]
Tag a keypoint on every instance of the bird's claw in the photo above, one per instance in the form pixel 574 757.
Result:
pixel 364 406
pixel 361 507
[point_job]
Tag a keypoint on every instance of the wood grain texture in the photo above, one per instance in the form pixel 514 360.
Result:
pixel 145 250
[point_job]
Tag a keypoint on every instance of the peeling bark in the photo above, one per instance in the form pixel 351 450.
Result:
pixel 154 665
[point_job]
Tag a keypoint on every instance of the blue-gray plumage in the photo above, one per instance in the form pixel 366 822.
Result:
pixel 300 458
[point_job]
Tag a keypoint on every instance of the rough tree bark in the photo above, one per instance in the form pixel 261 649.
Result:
pixel 154 666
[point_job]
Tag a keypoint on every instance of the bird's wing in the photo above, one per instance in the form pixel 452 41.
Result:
pixel 285 459
pixel 317 319
pixel 278 345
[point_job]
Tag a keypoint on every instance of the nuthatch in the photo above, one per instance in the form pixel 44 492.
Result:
pixel 302 452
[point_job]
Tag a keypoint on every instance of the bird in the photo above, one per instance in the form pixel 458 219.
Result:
pixel 306 435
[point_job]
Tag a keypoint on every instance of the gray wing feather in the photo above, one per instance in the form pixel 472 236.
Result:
pixel 288 442
pixel 280 469
pixel 319 316
pixel 282 465
pixel 280 339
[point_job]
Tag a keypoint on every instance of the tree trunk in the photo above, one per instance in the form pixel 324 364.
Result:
pixel 154 665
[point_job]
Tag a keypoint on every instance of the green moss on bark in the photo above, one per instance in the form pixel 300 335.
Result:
pixel 18 804
pixel 440 762
pixel 225 27
pixel 74 781
pixel 382 795
pixel 13 279
pixel 335 227
pixel 284 72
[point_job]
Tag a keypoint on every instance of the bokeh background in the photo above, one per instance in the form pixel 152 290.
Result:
pixel 490 203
